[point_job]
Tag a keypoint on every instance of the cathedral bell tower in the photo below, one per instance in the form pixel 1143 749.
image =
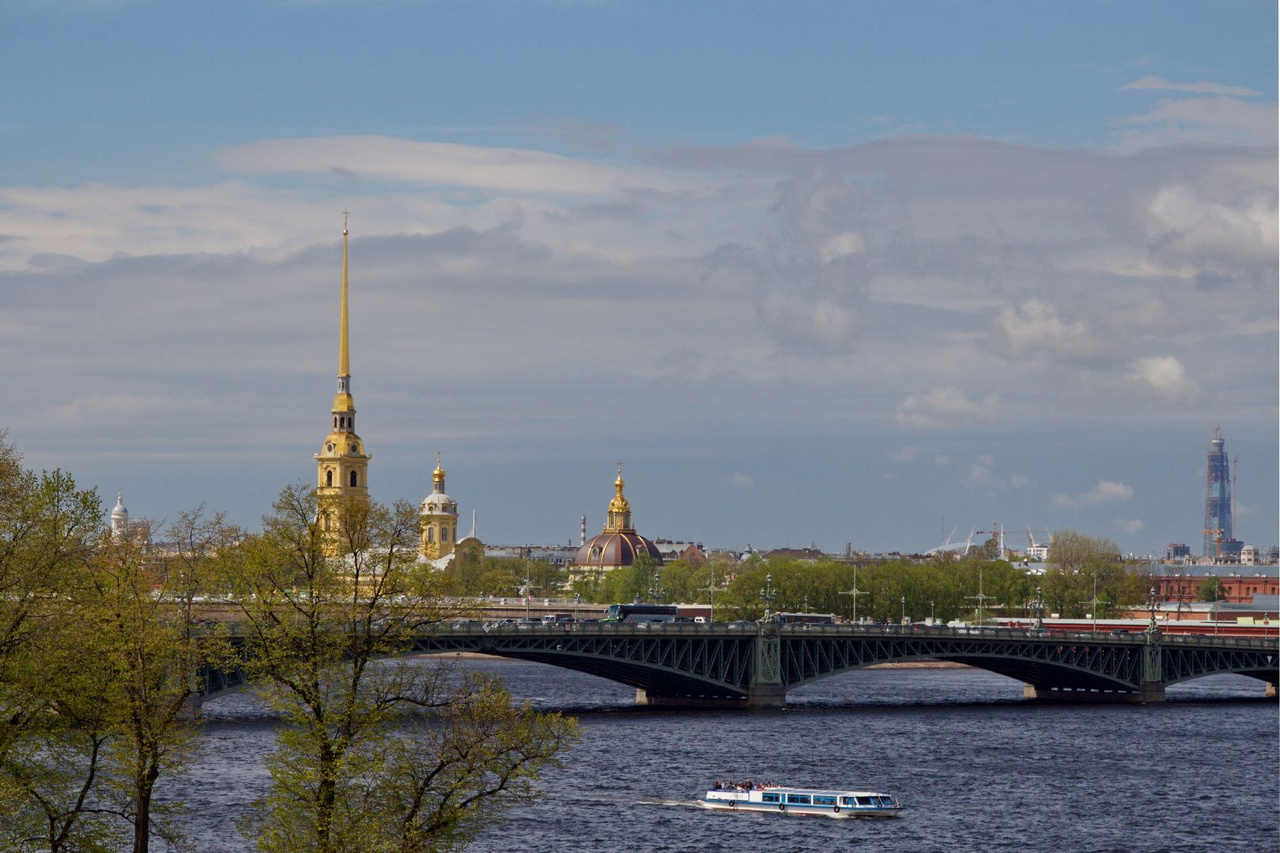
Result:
pixel 438 518
pixel 342 463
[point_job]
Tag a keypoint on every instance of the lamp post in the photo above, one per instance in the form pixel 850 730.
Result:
pixel 904 610
pixel 711 587
pixel 1152 630
pixel 768 595
pixel 854 593
pixel 528 591
pixel 1039 610
pixel 931 619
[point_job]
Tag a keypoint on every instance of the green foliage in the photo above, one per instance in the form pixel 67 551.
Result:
pixel 96 665
pixel 1211 590
pixel 504 577
pixel 375 753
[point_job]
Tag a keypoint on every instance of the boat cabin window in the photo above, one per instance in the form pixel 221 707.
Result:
pixel 823 800
pixel 846 801
pixel 798 799
pixel 771 798
pixel 867 801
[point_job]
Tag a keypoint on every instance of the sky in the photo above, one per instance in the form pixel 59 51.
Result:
pixel 864 274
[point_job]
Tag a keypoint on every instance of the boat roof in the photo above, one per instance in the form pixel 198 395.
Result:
pixel 792 789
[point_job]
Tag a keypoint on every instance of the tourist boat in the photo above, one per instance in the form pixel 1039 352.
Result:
pixel 819 802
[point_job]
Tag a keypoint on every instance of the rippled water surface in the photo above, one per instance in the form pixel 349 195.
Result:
pixel 978 768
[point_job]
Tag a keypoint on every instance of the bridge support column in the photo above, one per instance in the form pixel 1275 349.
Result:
pixel 1144 695
pixel 755 699
pixel 1271 690
pixel 762 696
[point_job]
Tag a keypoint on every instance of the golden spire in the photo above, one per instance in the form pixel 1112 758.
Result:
pixel 344 358
pixel 344 406
pixel 437 476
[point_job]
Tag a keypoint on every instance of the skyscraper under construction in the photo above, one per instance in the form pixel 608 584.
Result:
pixel 1218 528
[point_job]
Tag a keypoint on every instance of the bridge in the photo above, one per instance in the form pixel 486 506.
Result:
pixel 753 665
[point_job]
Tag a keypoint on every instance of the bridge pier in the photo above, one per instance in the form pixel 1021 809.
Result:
pixel 1271 690
pixel 759 697
pixel 1144 695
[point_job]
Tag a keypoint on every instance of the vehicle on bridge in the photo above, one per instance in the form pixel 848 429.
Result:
pixel 811 802
pixel 805 618
pixel 639 612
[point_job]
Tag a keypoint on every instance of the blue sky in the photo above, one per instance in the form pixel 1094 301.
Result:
pixel 815 272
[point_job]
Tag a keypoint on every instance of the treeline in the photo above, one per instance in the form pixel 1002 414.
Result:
pixel 1082 567
pixel 102 637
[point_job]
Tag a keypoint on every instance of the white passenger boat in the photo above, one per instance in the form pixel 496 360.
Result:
pixel 818 802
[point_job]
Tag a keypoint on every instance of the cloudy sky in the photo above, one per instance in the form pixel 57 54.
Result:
pixel 818 273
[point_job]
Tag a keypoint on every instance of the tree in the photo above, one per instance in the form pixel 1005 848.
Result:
pixel 96 665
pixel 54 722
pixel 142 608
pixel 376 752
pixel 1075 552
pixel 1211 589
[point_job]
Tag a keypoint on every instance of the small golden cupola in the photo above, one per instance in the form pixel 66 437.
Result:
pixel 438 519
pixel 619 518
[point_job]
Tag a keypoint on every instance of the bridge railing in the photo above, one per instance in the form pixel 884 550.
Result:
pixel 746 628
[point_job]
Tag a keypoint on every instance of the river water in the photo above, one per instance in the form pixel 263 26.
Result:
pixel 977 767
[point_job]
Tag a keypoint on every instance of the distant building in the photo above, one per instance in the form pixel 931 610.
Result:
pixel 342 466
pixel 691 552
pixel 1219 528
pixel 617 544
pixel 438 520
pixel 1183 584
pixel 122 528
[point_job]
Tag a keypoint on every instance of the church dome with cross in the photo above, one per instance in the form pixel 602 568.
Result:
pixel 617 544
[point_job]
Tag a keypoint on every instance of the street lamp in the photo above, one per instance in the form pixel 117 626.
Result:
pixel 931 619
pixel 904 610
pixel 1152 630
pixel 854 593
pixel 768 595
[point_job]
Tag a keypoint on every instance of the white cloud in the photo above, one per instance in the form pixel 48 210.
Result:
pixel 1203 87
pixel 1106 491
pixel 435 163
pixel 1129 526
pixel 1203 120
pixel 947 407
pixel 1166 375
pixel 741 481
pixel 1035 328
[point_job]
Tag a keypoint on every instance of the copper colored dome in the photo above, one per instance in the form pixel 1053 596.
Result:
pixel 614 550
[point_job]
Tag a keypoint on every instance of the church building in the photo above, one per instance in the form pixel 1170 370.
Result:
pixel 617 545
pixel 342 464
pixel 439 519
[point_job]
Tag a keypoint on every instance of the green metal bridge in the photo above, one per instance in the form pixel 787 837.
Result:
pixel 754 665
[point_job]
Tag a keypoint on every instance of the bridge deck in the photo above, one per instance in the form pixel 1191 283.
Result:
pixel 753 664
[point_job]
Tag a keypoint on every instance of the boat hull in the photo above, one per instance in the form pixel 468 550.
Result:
pixel 838 812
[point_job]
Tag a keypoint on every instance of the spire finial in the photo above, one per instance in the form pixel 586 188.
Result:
pixel 344 358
